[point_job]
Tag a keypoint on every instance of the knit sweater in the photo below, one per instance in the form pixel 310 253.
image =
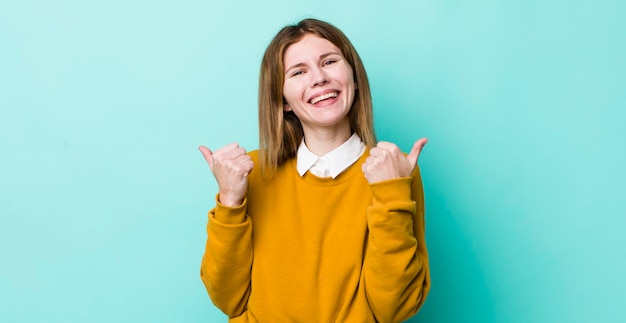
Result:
pixel 311 249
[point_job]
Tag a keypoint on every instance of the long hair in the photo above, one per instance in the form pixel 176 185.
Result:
pixel 280 132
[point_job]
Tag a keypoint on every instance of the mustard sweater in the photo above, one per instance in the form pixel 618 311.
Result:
pixel 310 249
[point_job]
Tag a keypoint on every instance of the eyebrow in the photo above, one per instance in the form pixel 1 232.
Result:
pixel 303 64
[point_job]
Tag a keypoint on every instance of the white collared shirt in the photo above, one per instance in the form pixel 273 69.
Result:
pixel 334 162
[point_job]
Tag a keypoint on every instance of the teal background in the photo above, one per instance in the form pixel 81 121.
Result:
pixel 104 195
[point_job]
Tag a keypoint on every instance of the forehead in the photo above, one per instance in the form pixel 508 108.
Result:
pixel 310 47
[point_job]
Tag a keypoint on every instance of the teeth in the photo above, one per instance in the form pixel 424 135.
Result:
pixel 324 97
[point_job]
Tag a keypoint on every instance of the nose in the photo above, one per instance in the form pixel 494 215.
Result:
pixel 318 77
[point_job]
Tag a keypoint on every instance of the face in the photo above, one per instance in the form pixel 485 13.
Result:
pixel 319 85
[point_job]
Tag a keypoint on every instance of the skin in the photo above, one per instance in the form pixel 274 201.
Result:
pixel 386 161
pixel 314 66
pixel 230 165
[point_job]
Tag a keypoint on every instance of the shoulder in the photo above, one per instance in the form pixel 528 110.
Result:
pixel 285 169
pixel 255 174
pixel 254 154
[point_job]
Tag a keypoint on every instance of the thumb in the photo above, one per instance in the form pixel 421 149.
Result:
pixel 415 151
pixel 208 155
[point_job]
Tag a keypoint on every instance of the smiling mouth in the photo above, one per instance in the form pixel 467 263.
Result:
pixel 324 96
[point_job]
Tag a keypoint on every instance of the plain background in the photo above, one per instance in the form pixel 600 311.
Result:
pixel 104 195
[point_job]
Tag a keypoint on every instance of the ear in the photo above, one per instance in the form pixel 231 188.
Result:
pixel 286 106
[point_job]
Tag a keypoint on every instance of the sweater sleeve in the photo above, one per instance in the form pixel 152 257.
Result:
pixel 227 260
pixel 395 270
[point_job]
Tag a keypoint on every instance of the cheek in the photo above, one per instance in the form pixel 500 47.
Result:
pixel 291 92
pixel 347 77
pixel 286 92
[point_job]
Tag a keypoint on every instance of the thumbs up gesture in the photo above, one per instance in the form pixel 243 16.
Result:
pixel 386 161
pixel 230 165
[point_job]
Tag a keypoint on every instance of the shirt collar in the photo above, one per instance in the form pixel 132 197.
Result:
pixel 338 159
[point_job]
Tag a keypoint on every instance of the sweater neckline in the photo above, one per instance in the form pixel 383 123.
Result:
pixel 351 171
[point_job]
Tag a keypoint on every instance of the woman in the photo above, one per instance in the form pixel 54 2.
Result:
pixel 321 224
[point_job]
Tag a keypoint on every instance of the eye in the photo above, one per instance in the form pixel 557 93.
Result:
pixel 296 73
pixel 330 62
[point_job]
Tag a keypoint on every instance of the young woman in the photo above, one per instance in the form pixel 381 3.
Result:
pixel 322 223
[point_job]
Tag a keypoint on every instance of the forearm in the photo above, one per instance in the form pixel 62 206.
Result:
pixel 227 259
pixel 396 263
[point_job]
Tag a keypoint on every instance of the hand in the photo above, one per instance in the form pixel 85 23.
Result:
pixel 386 161
pixel 230 165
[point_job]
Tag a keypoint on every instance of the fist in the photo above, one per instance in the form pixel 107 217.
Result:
pixel 386 161
pixel 230 165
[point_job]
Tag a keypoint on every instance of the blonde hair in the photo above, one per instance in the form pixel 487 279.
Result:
pixel 280 132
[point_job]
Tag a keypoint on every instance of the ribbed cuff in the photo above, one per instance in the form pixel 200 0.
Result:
pixel 230 215
pixel 391 191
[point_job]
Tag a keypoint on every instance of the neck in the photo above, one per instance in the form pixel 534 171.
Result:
pixel 321 141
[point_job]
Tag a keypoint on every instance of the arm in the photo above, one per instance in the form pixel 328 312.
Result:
pixel 227 260
pixel 395 270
